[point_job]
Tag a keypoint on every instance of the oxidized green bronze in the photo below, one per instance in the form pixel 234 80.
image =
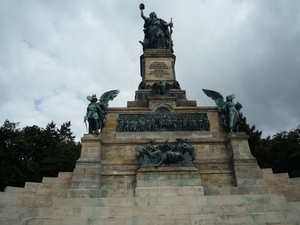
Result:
pixel 157 32
pixel 159 88
pixel 96 110
pixel 166 155
pixel 230 112
pixel 163 120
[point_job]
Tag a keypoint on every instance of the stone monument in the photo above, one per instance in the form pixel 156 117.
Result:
pixel 160 160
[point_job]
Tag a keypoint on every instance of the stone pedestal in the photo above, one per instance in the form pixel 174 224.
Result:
pixel 246 170
pixel 157 65
pixel 159 81
pixel 168 181
pixel 85 181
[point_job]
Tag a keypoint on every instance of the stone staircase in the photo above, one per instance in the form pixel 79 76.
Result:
pixel 281 184
pixel 18 203
pixel 47 203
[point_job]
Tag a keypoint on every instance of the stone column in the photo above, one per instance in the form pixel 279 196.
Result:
pixel 248 175
pixel 86 176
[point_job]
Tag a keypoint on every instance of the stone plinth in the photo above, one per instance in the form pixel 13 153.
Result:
pixel 157 65
pixel 168 181
pixel 246 170
pixel 87 173
pixel 157 69
pixel 91 148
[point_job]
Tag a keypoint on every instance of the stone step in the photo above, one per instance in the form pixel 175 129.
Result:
pixel 296 180
pixel 33 186
pixel 50 180
pixel 267 218
pixel 290 182
pixel 10 189
pixel 243 190
pixel 47 183
pixel 281 175
pixel 27 199
pixel 270 176
pixel 173 200
pixel 75 210
pixel 272 182
pixel 58 210
pixel 15 212
pixel 115 211
pixel 10 222
pixel 96 193
pixel 65 175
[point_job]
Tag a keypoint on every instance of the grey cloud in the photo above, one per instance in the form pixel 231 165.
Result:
pixel 58 52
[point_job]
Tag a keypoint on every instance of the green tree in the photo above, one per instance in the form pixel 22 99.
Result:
pixel 13 149
pixel 258 146
pixel 31 153
pixel 281 152
pixel 285 147
pixel 254 135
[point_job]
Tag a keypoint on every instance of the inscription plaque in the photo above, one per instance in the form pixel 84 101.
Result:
pixel 158 69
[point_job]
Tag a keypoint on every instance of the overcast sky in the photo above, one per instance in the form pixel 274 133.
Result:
pixel 55 53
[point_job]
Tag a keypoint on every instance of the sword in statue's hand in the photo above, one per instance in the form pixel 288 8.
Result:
pixel 171 31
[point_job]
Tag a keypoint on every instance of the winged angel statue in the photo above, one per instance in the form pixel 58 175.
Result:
pixel 96 110
pixel 229 110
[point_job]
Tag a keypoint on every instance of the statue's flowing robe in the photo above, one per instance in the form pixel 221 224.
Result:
pixel 156 31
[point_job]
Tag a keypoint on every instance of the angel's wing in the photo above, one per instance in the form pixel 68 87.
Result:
pixel 216 96
pixel 109 95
